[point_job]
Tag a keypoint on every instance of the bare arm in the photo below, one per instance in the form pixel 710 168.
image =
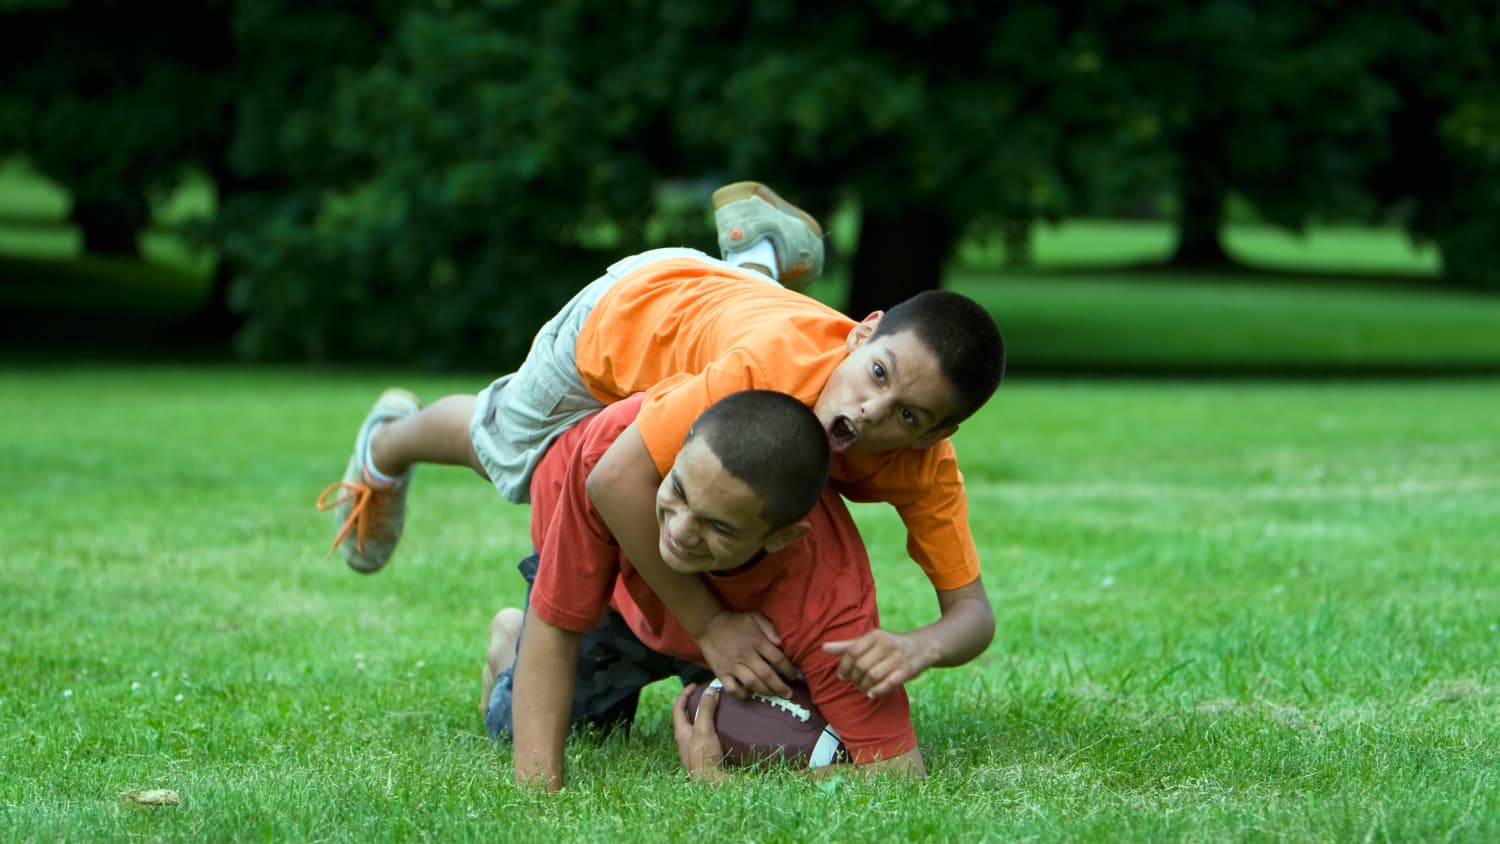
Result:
pixel 879 661
pixel 622 487
pixel 546 667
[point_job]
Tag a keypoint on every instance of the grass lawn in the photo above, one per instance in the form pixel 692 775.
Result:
pixel 1104 322
pixel 1258 611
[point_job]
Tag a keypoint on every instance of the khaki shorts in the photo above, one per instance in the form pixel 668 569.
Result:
pixel 520 414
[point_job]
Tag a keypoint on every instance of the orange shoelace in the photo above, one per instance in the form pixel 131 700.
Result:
pixel 364 516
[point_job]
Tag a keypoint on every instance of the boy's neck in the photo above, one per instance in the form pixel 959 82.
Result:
pixel 741 569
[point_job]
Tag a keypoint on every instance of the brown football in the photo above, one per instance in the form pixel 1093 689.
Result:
pixel 773 729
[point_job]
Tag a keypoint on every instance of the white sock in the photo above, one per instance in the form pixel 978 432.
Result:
pixel 376 477
pixel 761 252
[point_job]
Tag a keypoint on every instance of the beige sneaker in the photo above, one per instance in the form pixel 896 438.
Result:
pixel 370 515
pixel 747 211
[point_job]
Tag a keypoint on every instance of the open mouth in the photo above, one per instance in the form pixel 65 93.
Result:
pixel 842 434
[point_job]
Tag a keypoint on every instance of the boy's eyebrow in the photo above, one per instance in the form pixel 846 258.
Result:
pixel 892 363
pixel 677 486
pixel 895 367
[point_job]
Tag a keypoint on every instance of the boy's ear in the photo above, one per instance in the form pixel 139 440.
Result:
pixel 783 537
pixel 863 329
pixel 935 436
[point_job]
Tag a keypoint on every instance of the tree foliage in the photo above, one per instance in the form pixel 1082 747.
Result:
pixel 114 125
pixel 422 180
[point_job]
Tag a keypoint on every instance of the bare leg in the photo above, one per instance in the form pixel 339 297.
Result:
pixel 439 434
pixel 505 632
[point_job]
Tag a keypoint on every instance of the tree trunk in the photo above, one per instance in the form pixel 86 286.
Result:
pixel 216 321
pixel 1200 190
pixel 901 252
pixel 109 227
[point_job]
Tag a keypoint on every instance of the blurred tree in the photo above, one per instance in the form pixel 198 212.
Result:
pixel 931 116
pixel 111 106
pixel 419 180
pixel 1275 102
pixel 281 160
pixel 451 193
pixel 1441 178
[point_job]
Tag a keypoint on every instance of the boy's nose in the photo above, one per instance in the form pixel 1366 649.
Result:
pixel 682 527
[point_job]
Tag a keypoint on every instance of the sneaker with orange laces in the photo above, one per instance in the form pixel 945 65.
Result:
pixel 369 513
pixel 745 212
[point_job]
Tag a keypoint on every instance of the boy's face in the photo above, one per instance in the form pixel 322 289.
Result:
pixel 709 520
pixel 889 393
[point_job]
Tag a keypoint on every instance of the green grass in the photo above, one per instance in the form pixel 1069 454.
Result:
pixel 1142 322
pixel 1098 244
pixel 1145 322
pixel 1252 612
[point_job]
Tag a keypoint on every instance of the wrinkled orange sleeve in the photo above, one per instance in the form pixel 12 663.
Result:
pixel 927 490
pixel 672 406
pixel 688 333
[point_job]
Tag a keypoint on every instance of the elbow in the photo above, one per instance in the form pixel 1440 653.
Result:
pixel 598 484
pixel 987 624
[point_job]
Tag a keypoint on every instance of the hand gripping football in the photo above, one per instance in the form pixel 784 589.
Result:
pixel 763 728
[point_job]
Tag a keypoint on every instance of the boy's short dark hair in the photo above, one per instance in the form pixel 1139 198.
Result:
pixel 774 444
pixel 968 344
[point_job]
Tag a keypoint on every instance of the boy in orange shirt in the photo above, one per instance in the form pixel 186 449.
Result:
pixel 688 329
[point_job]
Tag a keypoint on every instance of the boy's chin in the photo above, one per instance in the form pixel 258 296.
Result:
pixel 679 565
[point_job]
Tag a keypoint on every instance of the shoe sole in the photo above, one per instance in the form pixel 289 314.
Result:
pixel 745 190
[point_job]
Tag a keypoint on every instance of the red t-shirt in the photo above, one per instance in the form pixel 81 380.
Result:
pixel 688 333
pixel 819 589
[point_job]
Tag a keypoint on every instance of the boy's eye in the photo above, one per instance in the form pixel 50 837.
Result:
pixel 879 371
pixel 908 417
pixel 723 528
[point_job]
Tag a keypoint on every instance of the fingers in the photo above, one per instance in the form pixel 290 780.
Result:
pixel 875 662
pixel 733 687
pixel 888 673
pixel 775 684
pixel 682 729
pixel 742 649
pixel 886 686
pixel 767 629
pixel 781 668
pixel 708 705
pixel 854 650
pixel 766 678
pixel 680 718
pixel 776 665
pixel 760 679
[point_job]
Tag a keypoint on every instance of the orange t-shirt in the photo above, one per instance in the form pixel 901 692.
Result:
pixel 688 333
pixel 818 589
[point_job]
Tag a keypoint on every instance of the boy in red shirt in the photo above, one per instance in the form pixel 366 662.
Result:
pixel 689 329
pixel 767 535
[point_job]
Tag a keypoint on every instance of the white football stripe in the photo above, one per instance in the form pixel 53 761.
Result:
pixel 824 750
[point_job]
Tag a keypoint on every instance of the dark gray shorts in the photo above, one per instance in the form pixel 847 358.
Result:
pixel 613 667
